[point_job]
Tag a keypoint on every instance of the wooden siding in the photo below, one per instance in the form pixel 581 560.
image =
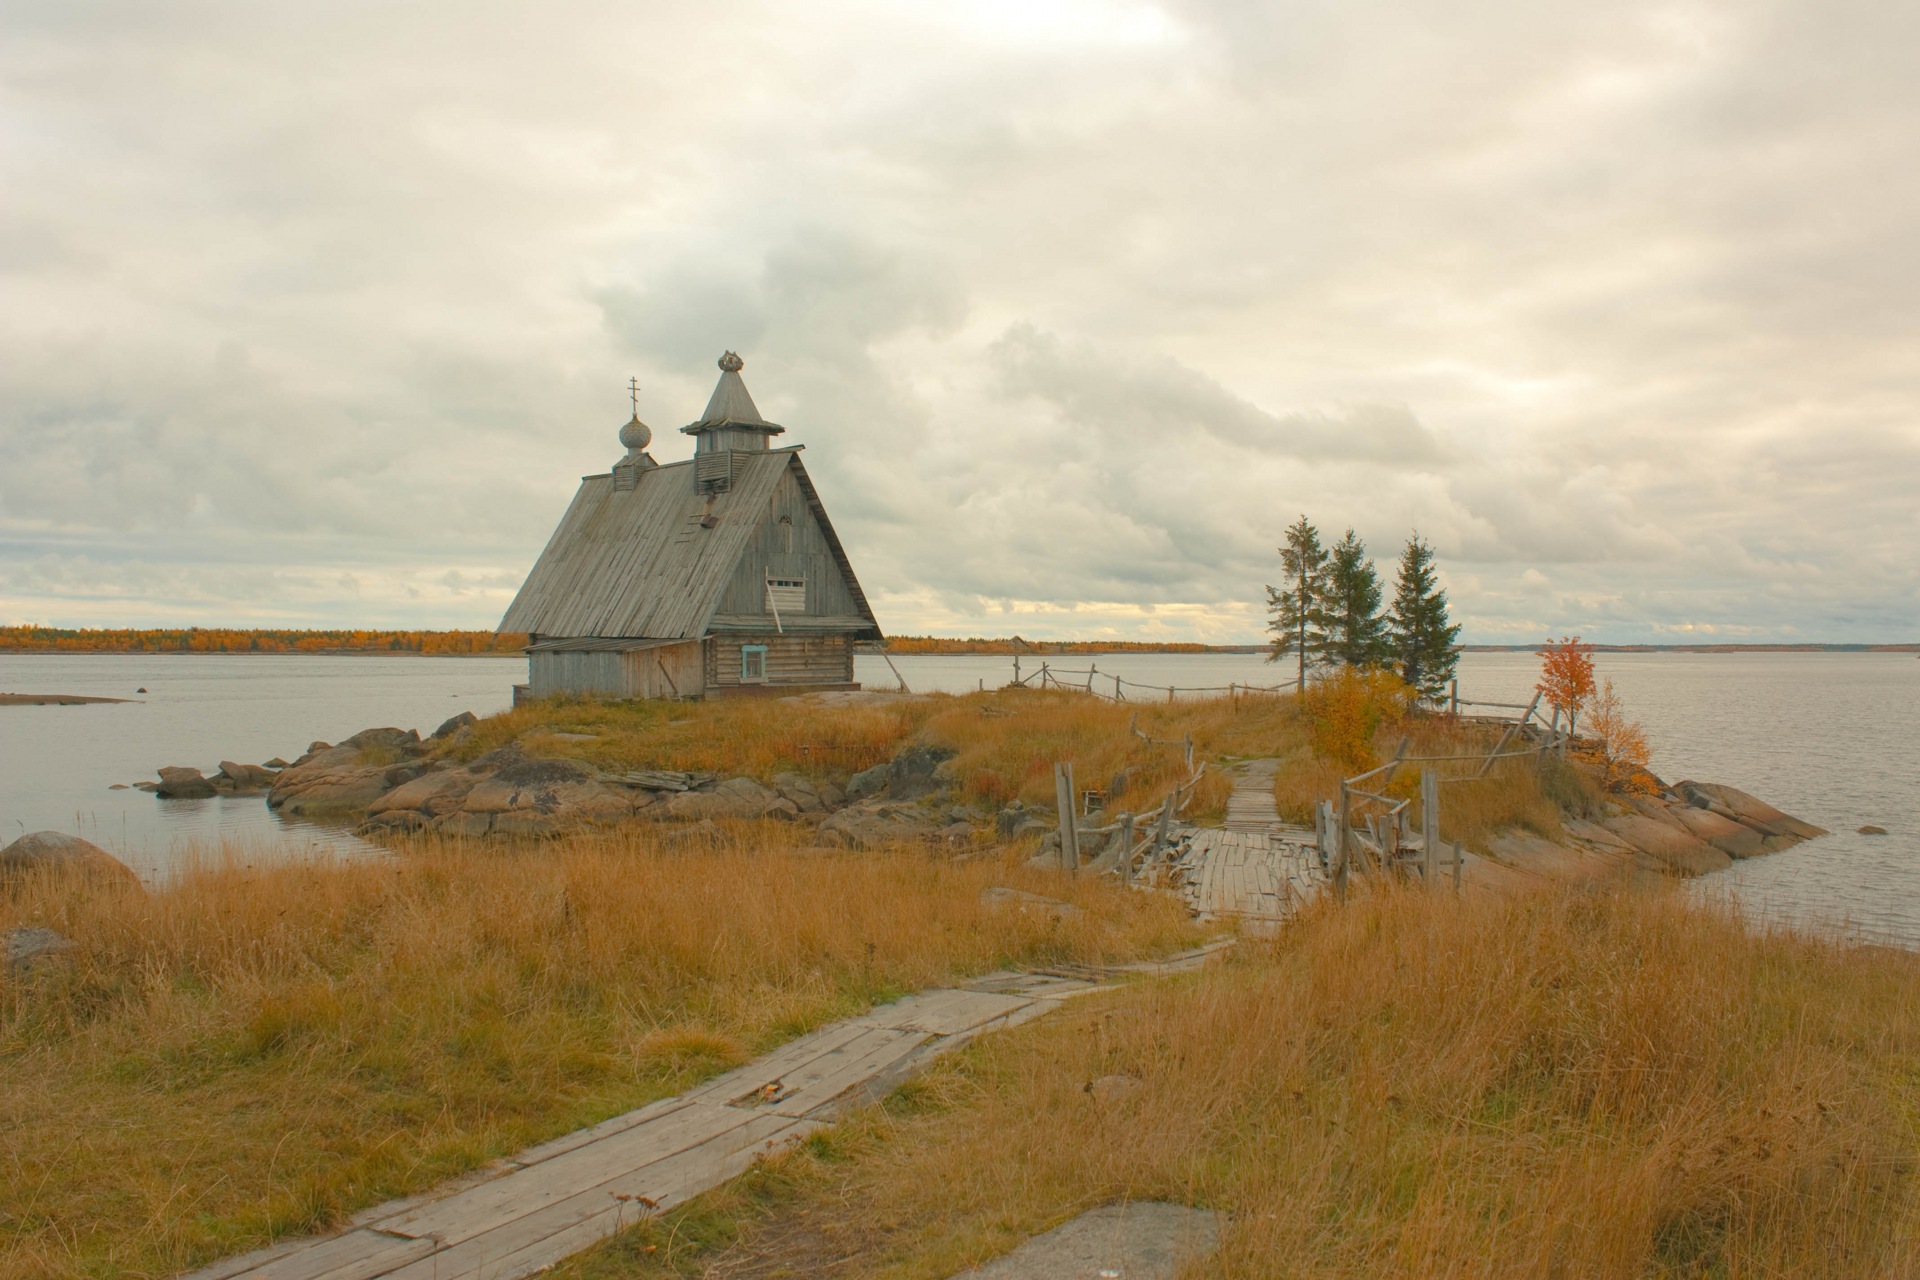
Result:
pixel 668 671
pixel 788 542
pixel 791 659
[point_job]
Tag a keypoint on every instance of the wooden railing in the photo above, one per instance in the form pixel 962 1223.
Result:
pixel 1050 677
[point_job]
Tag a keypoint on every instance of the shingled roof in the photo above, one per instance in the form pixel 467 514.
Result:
pixel 643 563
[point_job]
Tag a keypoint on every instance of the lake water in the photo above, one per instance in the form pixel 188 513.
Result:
pixel 1828 737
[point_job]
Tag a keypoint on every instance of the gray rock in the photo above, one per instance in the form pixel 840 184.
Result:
pixel 1031 828
pixel 250 776
pixel 876 824
pixel 275 763
pixel 1147 1240
pixel 1027 903
pixel 26 945
pixel 912 772
pixel 454 725
pixel 734 798
pixel 868 783
pixel 800 791
pixel 57 851
pixel 1112 1088
pixel 1008 820
pixel 180 783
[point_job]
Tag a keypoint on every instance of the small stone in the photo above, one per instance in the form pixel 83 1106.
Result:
pixel 118 786
pixel 1022 901
pixel 24 946
pixel 317 745
pixel 275 763
pixel 1871 830
pixel 1112 1088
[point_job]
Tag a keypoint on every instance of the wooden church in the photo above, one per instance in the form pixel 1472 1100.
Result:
pixel 720 575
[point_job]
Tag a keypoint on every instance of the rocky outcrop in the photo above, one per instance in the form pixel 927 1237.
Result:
pixel 58 852
pixel 1687 830
pixel 350 776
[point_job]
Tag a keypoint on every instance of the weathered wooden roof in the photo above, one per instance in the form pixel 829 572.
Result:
pixel 640 563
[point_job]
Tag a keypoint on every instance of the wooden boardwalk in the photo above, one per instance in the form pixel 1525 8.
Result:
pixel 1256 867
pixel 553 1200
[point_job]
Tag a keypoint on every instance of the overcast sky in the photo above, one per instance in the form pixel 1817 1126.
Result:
pixel 315 313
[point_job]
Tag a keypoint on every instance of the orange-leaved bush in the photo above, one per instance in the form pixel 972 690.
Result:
pixel 1566 675
pixel 1617 743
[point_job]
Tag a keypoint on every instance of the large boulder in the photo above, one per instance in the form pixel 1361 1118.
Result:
pixel 180 783
pixel 868 783
pixel 876 824
pixel 58 852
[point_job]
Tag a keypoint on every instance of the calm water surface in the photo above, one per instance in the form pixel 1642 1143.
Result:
pixel 1827 737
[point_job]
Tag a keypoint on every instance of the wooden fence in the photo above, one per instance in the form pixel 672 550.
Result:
pixel 1093 681
pixel 1368 829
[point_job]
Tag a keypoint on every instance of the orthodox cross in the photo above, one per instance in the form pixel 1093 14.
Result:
pixel 633 389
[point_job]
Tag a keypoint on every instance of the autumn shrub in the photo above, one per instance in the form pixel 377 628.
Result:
pixel 1617 744
pixel 1348 708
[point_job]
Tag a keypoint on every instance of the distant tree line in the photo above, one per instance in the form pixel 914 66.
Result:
pixel 1328 612
pixel 1014 644
pixel 234 640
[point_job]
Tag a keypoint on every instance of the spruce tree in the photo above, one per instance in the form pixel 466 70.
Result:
pixel 1357 630
pixel 1421 636
pixel 1299 612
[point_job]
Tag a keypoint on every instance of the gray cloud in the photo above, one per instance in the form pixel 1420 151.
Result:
pixel 317 314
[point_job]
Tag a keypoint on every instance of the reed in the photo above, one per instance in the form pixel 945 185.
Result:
pixel 1555 1084
pixel 260 1048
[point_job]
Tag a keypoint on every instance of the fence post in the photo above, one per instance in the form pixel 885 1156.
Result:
pixel 1189 752
pixel 1043 675
pixel 1117 695
pixel 1453 697
pixel 1126 848
pixel 1092 667
pixel 1340 839
pixel 1016 668
pixel 1169 693
pixel 1429 825
pixel 1069 828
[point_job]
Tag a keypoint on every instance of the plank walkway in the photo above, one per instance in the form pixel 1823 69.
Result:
pixel 530 1211
pixel 1256 867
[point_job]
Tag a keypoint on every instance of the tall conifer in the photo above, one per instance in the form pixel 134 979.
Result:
pixel 1298 608
pixel 1357 630
pixel 1422 637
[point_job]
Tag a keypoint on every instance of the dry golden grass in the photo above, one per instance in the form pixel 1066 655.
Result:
pixel 1558 1085
pixel 256 1051
pixel 1006 741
